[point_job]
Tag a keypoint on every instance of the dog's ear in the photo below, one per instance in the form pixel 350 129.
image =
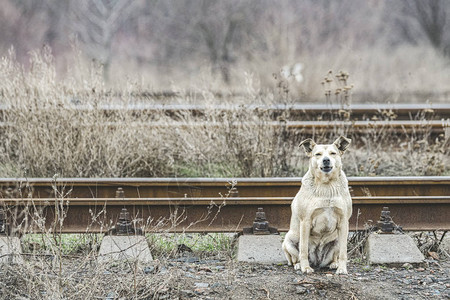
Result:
pixel 342 143
pixel 308 146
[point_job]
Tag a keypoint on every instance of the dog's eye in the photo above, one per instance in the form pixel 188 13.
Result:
pixel 333 153
pixel 318 154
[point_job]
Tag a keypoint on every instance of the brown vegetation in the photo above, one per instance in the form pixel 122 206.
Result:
pixel 55 126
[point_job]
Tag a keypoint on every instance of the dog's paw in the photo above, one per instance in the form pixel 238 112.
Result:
pixel 307 270
pixel 304 269
pixel 334 265
pixel 342 271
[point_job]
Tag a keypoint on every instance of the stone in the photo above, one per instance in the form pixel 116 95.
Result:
pixel 445 245
pixel 201 285
pixel 301 290
pixel 392 249
pixel 407 266
pixel 149 270
pixel 264 249
pixel 10 250
pixel 111 296
pixel 433 255
pixel 124 248
pixel 215 285
pixel 188 293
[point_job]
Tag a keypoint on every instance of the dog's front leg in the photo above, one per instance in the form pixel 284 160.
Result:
pixel 342 246
pixel 303 265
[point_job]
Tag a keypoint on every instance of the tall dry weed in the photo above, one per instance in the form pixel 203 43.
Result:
pixel 54 265
pixel 58 125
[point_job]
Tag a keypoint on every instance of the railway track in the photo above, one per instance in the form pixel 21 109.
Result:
pixel 211 204
pixel 306 111
pixel 359 119
pixel 295 112
pixel 399 127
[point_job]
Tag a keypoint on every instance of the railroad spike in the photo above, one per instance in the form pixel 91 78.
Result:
pixel 260 225
pixel 385 224
pixel 234 193
pixel 124 226
pixel 120 193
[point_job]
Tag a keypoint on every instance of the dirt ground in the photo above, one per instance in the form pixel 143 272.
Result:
pixel 216 275
pixel 189 277
pixel 215 279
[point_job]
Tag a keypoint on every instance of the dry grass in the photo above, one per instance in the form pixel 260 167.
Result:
pixel 61 266
pixel 48 276
pixel 47 134
pixel 46 273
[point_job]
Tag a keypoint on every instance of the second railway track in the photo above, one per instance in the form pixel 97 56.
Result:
pixel 431 120
pixel 295 112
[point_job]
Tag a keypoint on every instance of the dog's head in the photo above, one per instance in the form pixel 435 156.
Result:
pixel 325 160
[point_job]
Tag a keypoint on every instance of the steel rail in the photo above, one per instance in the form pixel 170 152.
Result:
pixel 215 200
pixel 354 125
pixel 434 127
pixel 211 205
pixel 297 111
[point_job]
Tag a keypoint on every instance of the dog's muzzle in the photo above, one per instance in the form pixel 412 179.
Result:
pixel 326 169
pixel 326 165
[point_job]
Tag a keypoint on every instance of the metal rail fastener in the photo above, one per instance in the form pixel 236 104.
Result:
pixel 386 224
pixel 260 225
pixel 124 226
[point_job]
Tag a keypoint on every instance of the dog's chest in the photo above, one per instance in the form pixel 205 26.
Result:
pixel 324 220
pixel 329 202
pixel 328 196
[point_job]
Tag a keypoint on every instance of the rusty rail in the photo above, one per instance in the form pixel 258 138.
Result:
pixel 297 111
pixel 300 111
pixel 401 128
pixel 357 126
pixel 311 119
pixel 213 204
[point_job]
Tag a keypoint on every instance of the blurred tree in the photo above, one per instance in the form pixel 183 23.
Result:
pixel 26 26
pixel 56 12
pixel 96 23
pixel 218 32
pixel 169 40
pixel 428 18
pixel 216 27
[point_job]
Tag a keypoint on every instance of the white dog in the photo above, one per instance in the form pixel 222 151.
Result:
pixel 320 211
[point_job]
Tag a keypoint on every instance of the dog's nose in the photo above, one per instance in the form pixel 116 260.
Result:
pixel 326 161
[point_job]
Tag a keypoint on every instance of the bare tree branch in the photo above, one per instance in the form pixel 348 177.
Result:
pixel 96 22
